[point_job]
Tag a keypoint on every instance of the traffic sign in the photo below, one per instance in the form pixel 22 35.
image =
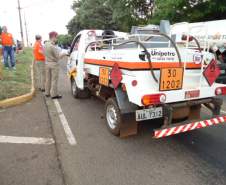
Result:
pixel 212 72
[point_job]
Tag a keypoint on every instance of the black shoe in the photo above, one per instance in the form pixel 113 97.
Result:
pixel 57 97
pixel 47 96
pixel 42 90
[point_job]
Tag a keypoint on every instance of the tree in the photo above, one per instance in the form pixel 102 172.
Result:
pixel 188 10
pixel 65 40
pixel 74 26
pixel 128 13
pixel 91 14
pixel 110 14
pixel 123 14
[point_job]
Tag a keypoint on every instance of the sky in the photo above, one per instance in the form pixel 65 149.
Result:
pixel 42 17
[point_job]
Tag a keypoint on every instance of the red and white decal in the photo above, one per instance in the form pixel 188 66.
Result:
pixel 188 127
pixel 197 58
pixel 192 94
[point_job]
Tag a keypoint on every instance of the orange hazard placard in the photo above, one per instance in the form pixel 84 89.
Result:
pixel 104 76
pixel 171 79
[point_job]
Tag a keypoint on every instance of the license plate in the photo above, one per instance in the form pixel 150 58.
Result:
pixel 171 79
pixel 147 114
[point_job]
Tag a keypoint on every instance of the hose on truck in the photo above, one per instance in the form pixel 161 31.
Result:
pixel 138 43
pixel 176 48
pixel 197 43
pixel 146 53
pixel 172 42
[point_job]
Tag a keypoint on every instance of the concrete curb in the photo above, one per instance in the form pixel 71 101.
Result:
pixel 20 99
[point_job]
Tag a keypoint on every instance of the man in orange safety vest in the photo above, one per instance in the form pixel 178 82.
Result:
pixel 7 46
pixel 39 60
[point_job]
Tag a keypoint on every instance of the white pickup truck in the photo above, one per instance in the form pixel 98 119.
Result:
pixel 146 76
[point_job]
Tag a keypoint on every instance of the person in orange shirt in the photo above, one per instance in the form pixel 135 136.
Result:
pixel 39 59
pixel 8 51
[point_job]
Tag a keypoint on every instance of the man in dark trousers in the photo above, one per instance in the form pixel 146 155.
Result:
pixel 8 51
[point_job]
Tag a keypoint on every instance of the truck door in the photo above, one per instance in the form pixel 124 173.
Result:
pixel 74 52
pixel 76 61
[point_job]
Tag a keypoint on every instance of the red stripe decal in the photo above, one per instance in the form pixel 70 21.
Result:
pixel 189 127
pixel 218 118
pixel 207 123
pixel 157 133
pixel 168 131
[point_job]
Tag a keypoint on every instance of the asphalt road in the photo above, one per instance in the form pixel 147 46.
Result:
pixel 24 163
pixel 195 158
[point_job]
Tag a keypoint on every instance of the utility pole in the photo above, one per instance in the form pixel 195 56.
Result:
pixel 25 24
pixel 21 25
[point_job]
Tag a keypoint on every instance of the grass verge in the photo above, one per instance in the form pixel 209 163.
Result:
pixel 17 82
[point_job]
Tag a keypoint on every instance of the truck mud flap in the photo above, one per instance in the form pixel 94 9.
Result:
pixel 128 125
pixel 186 127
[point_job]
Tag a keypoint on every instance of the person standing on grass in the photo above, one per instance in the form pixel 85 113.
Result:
pixel 8 51
pixel 39 61
pixel 53 55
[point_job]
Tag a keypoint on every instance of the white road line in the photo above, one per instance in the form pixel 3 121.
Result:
pixel 70 136
pixel 26 140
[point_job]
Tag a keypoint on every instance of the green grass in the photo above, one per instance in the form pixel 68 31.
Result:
pixel 17 82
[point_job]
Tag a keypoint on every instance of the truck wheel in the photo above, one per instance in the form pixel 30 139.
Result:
pixel 74 89
pixel 113 116
pixel 78 93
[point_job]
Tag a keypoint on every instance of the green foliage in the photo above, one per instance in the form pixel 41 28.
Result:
pixel 109 14
pixel 65 40
pixel 74 26
pixel 189 10
pixel 91 14
pixel 123 14
pixel 18 82
pixel 128 13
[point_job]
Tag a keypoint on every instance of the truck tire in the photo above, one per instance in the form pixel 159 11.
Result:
pixel 78 93
pixel 113 116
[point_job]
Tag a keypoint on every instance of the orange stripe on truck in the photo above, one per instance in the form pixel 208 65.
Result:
pixel 140 65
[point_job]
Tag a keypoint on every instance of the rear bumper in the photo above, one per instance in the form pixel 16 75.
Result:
pixel 214 104
pixel 181 128
pixel 168 129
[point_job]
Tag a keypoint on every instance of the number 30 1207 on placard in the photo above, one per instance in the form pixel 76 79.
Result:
pixel 171 79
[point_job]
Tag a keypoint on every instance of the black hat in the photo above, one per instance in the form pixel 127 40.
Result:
pixel 38 37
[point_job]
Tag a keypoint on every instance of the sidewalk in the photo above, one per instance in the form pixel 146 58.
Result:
pixel 21 163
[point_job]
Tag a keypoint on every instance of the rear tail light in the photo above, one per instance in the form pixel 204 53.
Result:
pixel 186 37
pixel 220 91
pixel 134 83
pixel 153 99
